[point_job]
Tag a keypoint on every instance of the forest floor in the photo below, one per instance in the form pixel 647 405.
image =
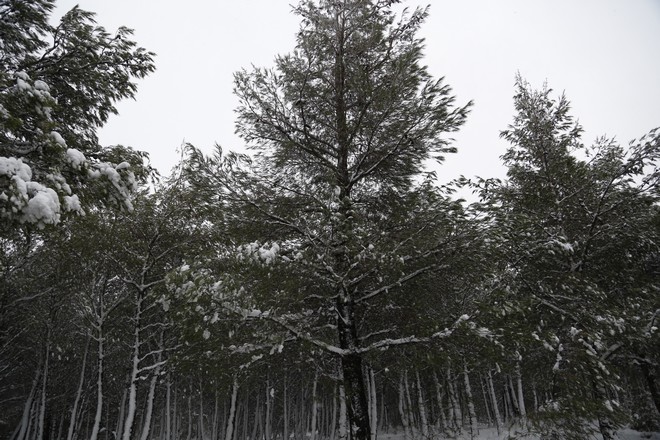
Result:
pixel 505 434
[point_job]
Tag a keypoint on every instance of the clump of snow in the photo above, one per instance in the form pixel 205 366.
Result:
pixel 58 138
pixel 11 166
pixel 72 204
pixel 75 158
pixel 44 207
pixel 462 318
pixel 22 84
pixel 265 254
pixel 41 85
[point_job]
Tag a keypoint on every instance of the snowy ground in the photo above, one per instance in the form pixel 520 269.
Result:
pixel 491 434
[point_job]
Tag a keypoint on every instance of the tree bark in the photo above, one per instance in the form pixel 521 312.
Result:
pixel 135 360
pixel 343 413
pixel 315 408
pixel 229 432
pixel 168 407
pixel 44 388
pixel 455 409
pixel 439 393
pixel 285 409
pixel 493 398
pixel 269 410
pixel 472 414
pixel 27 408
pixel 100 356
pixel 485 397
pixel 358 408
pixel 423 418
pixel 403 411
pixel 373 407
pixel 521 396
pixel 76 401
pixel 650 377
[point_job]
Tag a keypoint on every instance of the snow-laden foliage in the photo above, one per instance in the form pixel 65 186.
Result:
pixel 57 86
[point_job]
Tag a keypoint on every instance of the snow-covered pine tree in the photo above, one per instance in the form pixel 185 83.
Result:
pixel 58 85
pixel 575 234
pixel 330 212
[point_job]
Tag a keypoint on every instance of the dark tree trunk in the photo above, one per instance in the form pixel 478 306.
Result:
pixel 650 376
pixel 351 364
pixel 358 409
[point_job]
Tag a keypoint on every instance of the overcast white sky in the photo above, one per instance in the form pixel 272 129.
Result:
pixel 604 54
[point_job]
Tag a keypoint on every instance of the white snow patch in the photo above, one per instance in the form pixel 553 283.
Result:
pixel 72 203
pixel 75 158
pixel 58 138
pixel 44 207
pixel 11 166
pixel 41 85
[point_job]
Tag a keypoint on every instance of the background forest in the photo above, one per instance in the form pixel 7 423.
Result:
pixel 325 285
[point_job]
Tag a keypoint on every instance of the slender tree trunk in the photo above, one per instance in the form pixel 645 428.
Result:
pixel 269 410
pixel 421 404
pixel 60 428
pixel 27 407
pixel 201 412
pixel 335 408
pixel 493 399
pixel 605 425
pixel 485 397
pixel 382 418
pixel 122 410
pixel 146 427
pixel 216 416
pixel 190 423
pixel 132 384
pixel 44 388
pixel 507 403
pixel 176 423
pixel 650 376
pixel 343 413
pixel 472 414
pixel 315 407
pixel 439 393
pixel 285 410
pixel 76 401
pixel 168 406
pixel 456 413
pixel 512 394
pixel 100 356
pixel 229 431
pixel 403 412
pixel 521 397
pixel 412 419
pixel 257 416
pixel 373 407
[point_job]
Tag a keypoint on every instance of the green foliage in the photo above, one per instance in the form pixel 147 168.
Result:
pixel 58 85
pixel 573 293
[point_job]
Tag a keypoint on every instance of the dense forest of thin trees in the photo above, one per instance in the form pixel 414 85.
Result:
pixel 323 286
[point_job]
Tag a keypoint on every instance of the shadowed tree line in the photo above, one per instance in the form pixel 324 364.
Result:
pixel 325 285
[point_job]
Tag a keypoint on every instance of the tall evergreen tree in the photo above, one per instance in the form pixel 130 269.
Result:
pixel 58 85
pixel 575 234
pixel 341 128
